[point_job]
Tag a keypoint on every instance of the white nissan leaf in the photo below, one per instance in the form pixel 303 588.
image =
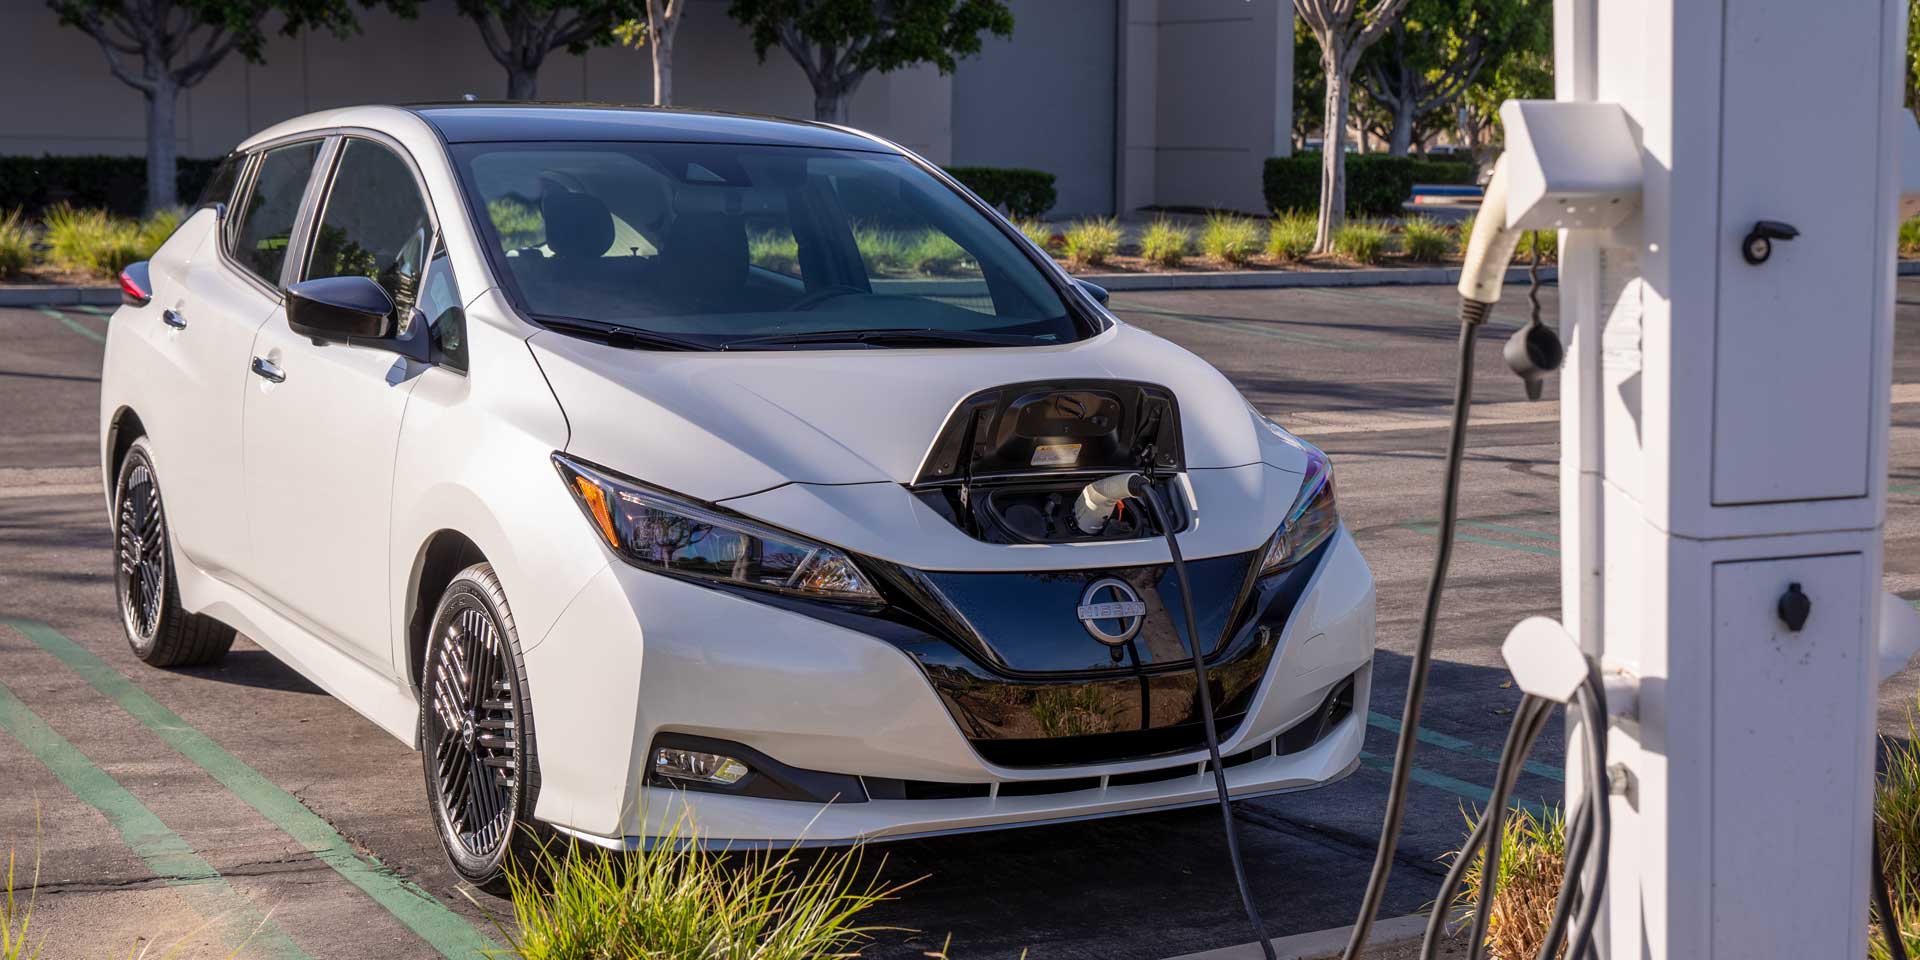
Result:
pixel 640 464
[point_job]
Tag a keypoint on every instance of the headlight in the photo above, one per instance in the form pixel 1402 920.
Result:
pixel 657 531
pixel 1311 519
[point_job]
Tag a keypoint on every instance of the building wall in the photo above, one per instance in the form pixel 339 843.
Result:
pixel 57 96
pixel 1129 103
pixel 1208 85
pixel 1045 100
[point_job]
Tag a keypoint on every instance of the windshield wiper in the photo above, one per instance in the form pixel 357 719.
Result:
pixel 614 335
pixel 884 338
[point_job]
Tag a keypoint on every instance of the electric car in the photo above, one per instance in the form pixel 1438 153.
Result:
pixel 650 467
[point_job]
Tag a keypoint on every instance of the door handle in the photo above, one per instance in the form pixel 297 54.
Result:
pixel 174 319
pixel 268 370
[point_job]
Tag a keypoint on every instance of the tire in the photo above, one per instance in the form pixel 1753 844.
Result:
pixel 477 752
pixel 144 582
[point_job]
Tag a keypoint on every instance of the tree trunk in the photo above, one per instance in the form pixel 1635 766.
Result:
pixel 1333 156
pixel 830 105
pixel 1400 140
pixel 163 150
pixel 663 68
pixel 522 82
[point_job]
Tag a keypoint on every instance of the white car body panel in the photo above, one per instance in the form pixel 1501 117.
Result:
pixel 304 514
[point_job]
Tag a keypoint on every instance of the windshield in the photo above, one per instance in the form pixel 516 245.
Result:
pixel 721 244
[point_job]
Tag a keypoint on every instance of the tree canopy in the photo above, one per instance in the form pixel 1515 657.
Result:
pixel 520 33
pixel 837 42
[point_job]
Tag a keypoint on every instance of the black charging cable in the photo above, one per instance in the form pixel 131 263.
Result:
pixel 1162 512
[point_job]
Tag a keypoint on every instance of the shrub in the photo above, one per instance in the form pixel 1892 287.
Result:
pixel 1362 241
pixel 935 254
pixel 1231 238
pixel 1090 242
pixel 885 251
pixel 518 222
pixel 676 901
pixel 1022 193
pixel 92 241
pixel 1533 857
pixel 156 228
pixel 1291 235
pixel 16 247
pixel 1377 183
pixel 1037 232
pixel 1910 238
pixel 1166 243
pixel 1548 241
pixel 1424 240
pixel 775 250
pixel 115 184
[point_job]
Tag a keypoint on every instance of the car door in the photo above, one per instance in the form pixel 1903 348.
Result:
pixel 233 285
pixel 323 420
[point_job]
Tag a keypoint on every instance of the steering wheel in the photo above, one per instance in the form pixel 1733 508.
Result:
pixel 817 297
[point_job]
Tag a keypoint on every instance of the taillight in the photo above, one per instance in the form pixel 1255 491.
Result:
pixel 136 284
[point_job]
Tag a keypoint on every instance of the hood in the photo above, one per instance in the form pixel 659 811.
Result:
pixel 716 425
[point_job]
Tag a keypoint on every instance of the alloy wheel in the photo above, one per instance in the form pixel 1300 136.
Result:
pixel 140 576
pixel 473 725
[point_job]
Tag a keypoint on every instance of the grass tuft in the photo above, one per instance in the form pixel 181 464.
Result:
pixel 519 223
pixel 1533 857
pixel 1896 816
pixel 1363 241
pixel 16 917
pixel 677 901
pixel 1229 238
pixel 98 243
pixel 775 250
pixel 1290 236
pixel 16 249
pixel 1166 243
pixel 1548 241
pixel 1424 240
pixel 1910 238
pixel 1089 243
pixel 1037 232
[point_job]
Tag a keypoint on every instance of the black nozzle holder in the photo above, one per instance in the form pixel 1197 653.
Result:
pixel 1533 352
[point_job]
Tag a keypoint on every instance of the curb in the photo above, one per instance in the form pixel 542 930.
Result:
pixel 1321 944
pixel 1114 282
pixel 59 296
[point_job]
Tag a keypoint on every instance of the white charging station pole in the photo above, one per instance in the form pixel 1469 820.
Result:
pixel 1724 440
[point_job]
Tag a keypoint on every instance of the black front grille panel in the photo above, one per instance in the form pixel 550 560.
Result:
pixel 1030 687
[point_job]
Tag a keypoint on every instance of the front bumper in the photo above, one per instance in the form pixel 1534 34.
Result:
pixel 636 654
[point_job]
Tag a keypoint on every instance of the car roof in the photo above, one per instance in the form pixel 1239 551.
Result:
pixel 474 122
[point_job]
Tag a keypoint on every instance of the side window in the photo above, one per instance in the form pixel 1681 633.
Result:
pixel 225 177
pixel 441 304
pixel 259 239
pixel 374 224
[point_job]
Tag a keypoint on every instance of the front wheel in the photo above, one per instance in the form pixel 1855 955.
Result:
pixel 476 731
pixel 158 629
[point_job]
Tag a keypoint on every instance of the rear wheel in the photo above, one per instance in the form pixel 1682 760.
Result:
pixel 476 731
pixel 160 632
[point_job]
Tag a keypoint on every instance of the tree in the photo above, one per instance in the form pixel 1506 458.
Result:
pixel 1344 32
pixel 1309 84
pixel 837 42
pixel 177 43
pixel 1435 50
pixel 1523 75
pixel 520 33
pixel 663 18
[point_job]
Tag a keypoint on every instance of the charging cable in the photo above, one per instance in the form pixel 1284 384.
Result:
pixel 1137 486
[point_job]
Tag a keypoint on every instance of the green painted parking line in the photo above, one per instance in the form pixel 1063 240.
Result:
pixel 445 930
pixel 1457 745
pixel 166 853
pixel 1905 488
pixel 96 311
pixel 1431 529
pixel 1516 531
pixel 1440 781
pixel 74 325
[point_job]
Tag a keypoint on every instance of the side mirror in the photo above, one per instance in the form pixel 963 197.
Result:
pixel 136 284
pixel 340 308
pixel 1093 290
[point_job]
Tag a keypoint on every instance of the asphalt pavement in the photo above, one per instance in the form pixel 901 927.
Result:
pixel 196 809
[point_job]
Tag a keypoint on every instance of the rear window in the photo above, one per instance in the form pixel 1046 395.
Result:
pixel 717 243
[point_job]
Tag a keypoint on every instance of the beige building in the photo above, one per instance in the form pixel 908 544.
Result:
pixel 1129 103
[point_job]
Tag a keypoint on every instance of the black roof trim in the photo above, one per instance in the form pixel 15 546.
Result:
pixel 508 121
